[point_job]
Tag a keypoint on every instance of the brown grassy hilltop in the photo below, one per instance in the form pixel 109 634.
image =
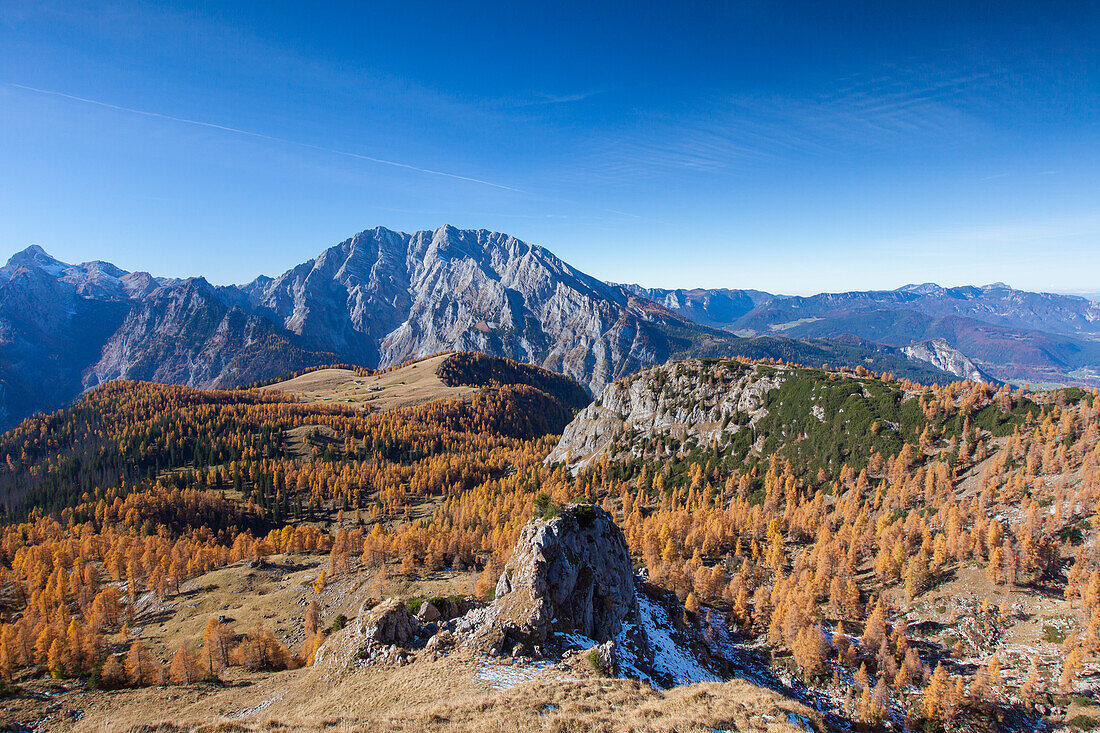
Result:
pixel 411 384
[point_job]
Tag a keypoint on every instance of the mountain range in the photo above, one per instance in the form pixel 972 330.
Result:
pixel 382 297
pixel 1011 335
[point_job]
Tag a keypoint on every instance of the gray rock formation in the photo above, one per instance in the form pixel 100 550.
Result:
pixel 570 587
pixel 383 297
pixel 428 613
pixel 942 355
pixel 567 594
pixel 673 399
pixel 388 623
pixel 185 332
pixel 571 575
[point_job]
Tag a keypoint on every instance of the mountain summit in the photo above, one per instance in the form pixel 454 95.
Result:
pixel 376 299
pixel 382 297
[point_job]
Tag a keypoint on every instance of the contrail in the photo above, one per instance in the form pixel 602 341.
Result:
pixel 261 136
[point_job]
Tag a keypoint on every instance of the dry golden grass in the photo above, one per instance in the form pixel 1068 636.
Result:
pixel 431 694
pixel 409 385
pixel 275 596
pixel 443 696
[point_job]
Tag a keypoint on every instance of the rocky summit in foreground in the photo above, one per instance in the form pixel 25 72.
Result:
pixel 569 589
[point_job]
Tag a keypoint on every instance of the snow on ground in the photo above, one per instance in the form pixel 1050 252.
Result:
pixel 505 676
pixel 579 641
pixel 668 656
pixel 800 721
pixel 259 707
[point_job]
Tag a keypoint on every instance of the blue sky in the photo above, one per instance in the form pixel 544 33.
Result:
pixel 791 147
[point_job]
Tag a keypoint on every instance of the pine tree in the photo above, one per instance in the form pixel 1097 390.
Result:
pixel 216 639
pixel 937 695
pixel 141 668
pixel 57 659
pixel 319 583
pixel 312 618
pixel 1070 669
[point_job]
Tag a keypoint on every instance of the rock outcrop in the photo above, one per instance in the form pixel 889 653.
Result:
pixel 568 575
pixel 570 587
pixel 568 593
pixel 388 623
pixel 676 399
pixel 943 355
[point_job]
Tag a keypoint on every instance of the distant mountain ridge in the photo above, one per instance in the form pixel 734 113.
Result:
pixel 1005 333
pixel 376 299
pixel 716 307
pixel 382 297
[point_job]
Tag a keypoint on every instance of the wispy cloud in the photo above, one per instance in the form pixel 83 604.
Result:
pixel 860 113
pixel 541 99
pixel 263 136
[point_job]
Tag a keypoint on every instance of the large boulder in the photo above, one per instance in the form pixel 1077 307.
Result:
pixel 428 613
pixel 388 623
pixel 568 575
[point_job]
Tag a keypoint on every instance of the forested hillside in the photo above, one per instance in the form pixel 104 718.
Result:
pixel 918 553
pixel 890 550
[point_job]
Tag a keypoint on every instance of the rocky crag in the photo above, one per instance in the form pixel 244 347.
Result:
pixel 568 593
pixel 674 400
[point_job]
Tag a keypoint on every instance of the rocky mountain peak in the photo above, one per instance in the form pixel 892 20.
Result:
pixel 33 257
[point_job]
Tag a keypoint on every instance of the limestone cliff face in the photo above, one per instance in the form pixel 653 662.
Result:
pixel 688 398
pixel 377 299
pixel 383 297
pixel 943 355
pixel 184 332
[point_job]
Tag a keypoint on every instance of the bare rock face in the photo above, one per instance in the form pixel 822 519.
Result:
pixel 569 575
pixel 689 398
pixel 568 593
pixel 942 355
pixel 382 297
pixel 570 588
pixel 389 623
pixel 428 613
